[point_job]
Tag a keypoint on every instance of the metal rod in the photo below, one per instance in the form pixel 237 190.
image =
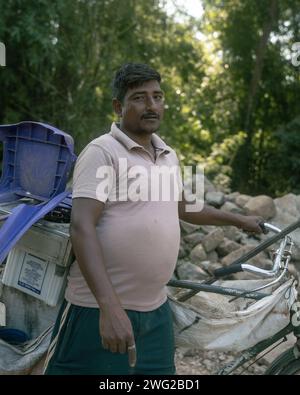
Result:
pixel 216 289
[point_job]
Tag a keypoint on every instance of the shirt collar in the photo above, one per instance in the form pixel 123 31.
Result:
pixel 157 142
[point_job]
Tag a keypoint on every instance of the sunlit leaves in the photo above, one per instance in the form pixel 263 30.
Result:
pixel 62 55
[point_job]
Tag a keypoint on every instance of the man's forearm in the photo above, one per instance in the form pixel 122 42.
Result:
pixel 90 259
pixel 212 216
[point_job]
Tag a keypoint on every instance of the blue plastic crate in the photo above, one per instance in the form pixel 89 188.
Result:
pixel 37 160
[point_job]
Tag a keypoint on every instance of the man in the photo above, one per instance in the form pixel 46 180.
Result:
pixel 116 318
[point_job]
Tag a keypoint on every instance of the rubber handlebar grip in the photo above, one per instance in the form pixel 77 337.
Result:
pixel 225 271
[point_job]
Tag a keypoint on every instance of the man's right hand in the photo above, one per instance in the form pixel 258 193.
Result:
pixel 116 332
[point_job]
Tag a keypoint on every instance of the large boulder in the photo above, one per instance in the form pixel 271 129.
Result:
pixel 242 200
pixel 262 206
pixel 289 204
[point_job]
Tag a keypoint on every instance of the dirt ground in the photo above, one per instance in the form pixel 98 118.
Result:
pixel 195 362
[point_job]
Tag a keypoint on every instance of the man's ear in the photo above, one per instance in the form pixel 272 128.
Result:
pixel 117 106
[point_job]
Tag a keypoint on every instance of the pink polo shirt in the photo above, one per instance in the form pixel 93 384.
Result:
pixel 139 235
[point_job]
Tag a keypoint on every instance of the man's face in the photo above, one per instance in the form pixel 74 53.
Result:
pixel 142 108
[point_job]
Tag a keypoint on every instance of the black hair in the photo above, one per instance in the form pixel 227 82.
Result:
pixel 131 75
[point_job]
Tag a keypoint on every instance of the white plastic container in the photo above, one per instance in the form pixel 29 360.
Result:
pixel 38 265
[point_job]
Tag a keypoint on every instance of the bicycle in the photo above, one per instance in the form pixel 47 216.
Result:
pixel 288 362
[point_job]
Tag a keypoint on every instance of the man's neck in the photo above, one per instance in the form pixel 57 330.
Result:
pixel 145 139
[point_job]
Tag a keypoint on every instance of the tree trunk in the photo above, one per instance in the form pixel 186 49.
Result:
pixel 258 67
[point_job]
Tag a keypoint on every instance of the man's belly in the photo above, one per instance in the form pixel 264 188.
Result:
pixel 140 253
pixel 143 251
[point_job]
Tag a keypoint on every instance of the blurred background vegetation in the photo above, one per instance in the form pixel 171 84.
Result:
pixel 232 92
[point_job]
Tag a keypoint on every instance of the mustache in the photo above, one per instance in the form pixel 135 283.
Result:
pixel 150 115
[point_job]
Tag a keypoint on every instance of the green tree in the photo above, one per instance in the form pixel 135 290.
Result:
pixel 232 97
pixel 255 38
pixel 62 56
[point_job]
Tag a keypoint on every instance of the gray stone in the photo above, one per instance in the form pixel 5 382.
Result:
pixel 180 262
pixel 242 200
pixel 208 185
pixel 283 219
pixel 188 228
pixel 232 196
pixel 250 241
pixel 262 206
pixel 232 233
pixel 266 264
pixel 226 247
pixel 182 252
pixel 243 276
pixel 288 204
pixel 232 208
pixel 214 266
pixel 198 254
pixel 296 252
pixel 212 256
pixel 215 199
pixel 228 259
pixel 189 271
pixel 213 239
pixel 208 228
pixel 205 265
pixel 194 238
pixel 293 270
pixel 190 353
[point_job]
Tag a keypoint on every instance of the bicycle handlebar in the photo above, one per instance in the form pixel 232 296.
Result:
pixel 225 271
pixel 239 267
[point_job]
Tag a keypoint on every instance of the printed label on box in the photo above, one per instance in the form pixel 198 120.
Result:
pixel 33 273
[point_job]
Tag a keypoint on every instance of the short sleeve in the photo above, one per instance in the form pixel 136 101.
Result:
pixel 93 175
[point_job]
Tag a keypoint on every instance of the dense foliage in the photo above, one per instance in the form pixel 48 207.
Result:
pixel 232 93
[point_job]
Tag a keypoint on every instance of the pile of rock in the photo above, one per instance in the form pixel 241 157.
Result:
pixel 205 248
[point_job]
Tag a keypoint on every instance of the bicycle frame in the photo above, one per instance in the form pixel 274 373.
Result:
pixel 280 266
pixel 254 351
pixel 215 289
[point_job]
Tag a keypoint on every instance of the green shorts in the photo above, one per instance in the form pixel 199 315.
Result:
pixel 78 348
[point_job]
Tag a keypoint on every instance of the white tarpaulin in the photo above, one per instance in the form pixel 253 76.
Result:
pixel 209 322
pixel 20 360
